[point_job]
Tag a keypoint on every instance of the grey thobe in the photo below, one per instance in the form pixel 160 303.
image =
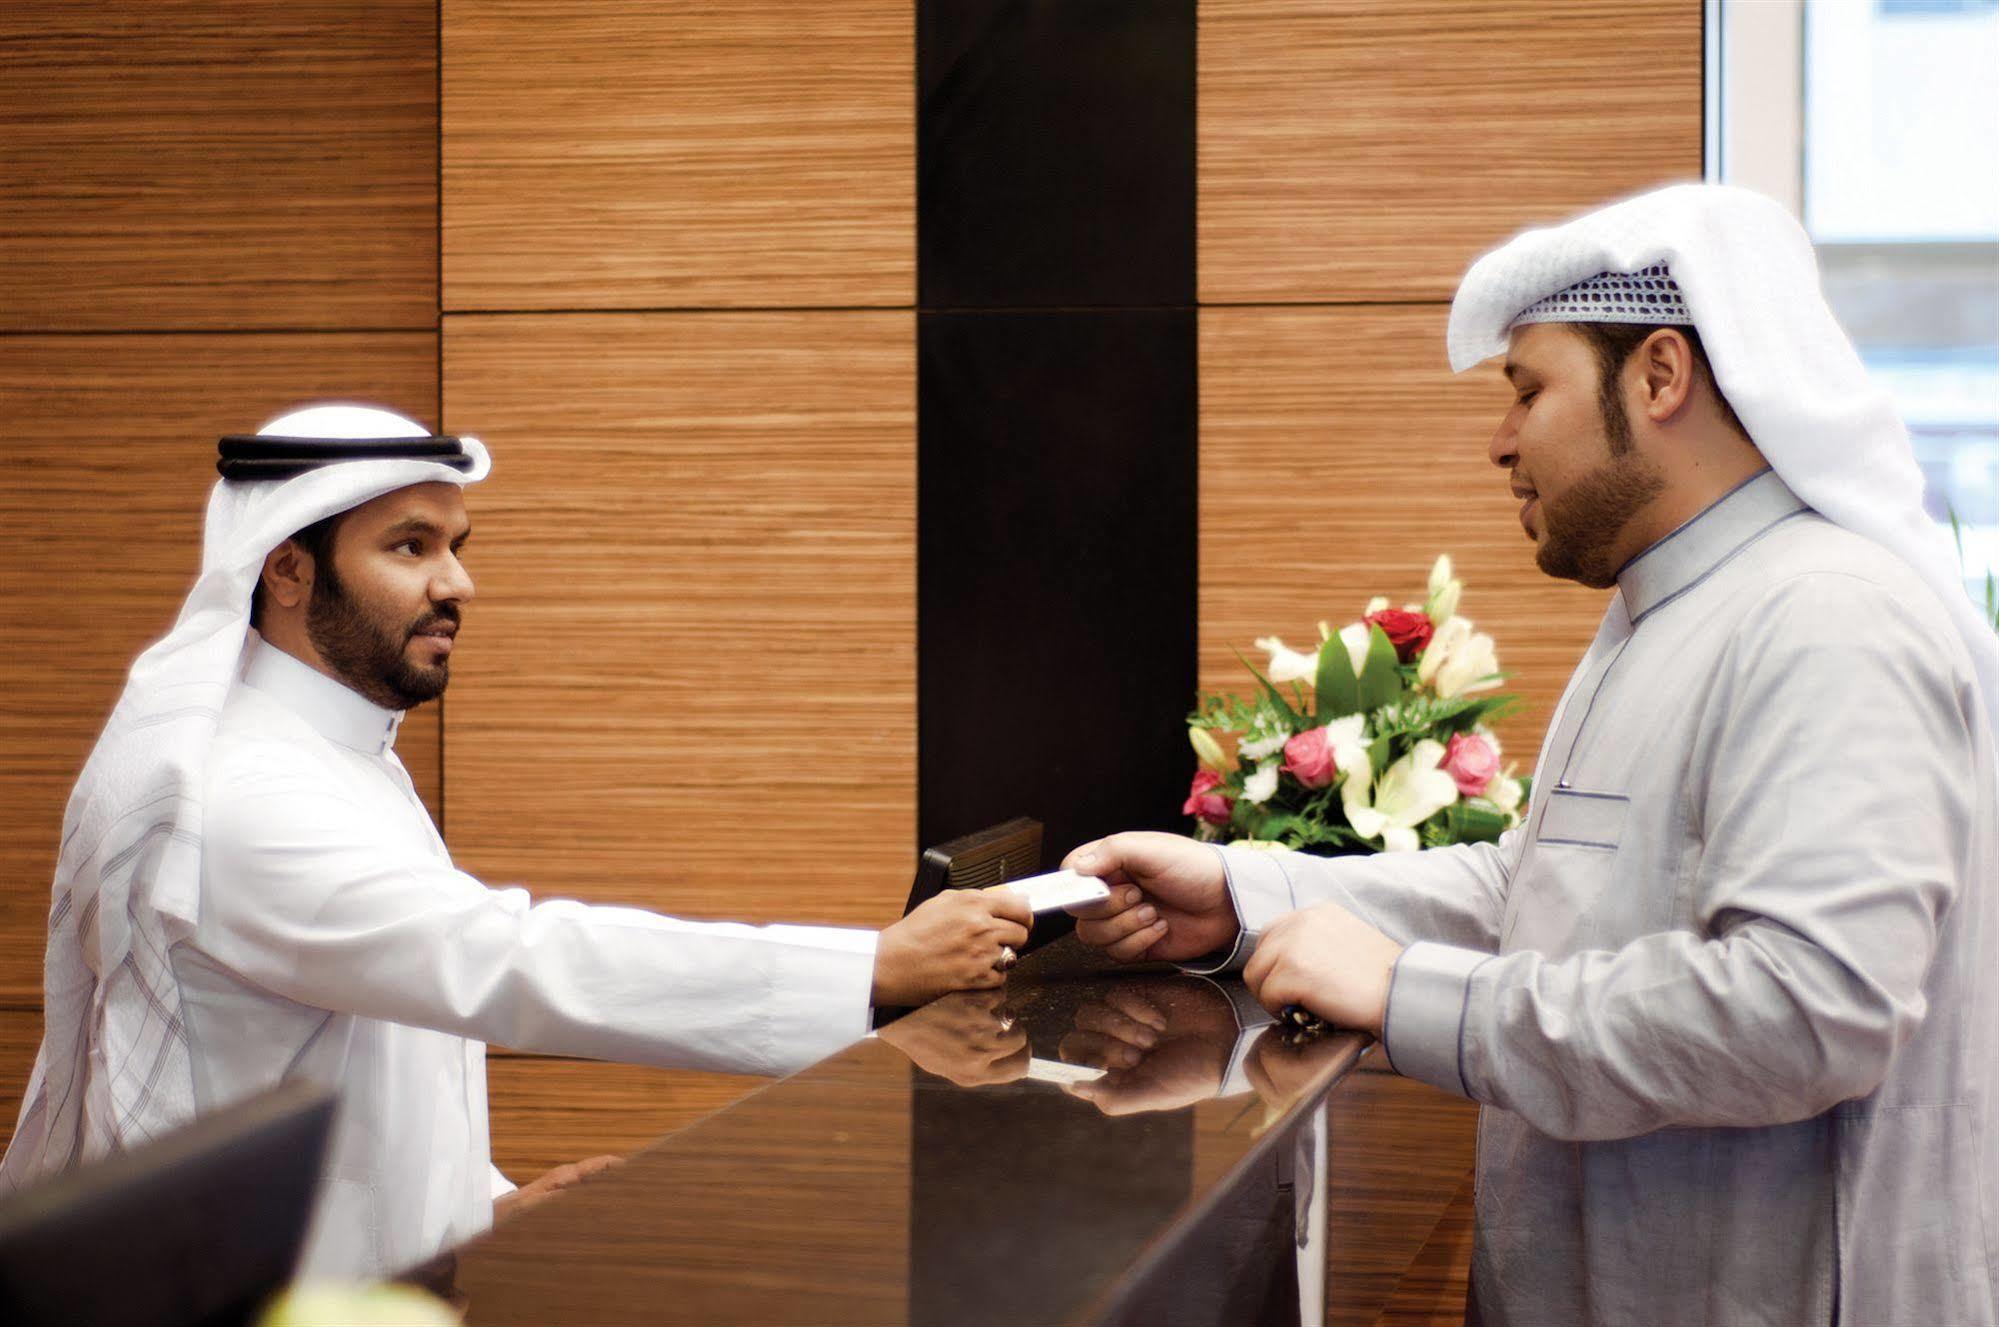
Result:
pixel 1730 993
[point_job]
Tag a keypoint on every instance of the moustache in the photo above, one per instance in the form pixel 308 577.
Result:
pixel 442 622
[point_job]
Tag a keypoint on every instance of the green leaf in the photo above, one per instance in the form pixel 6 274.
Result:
pixel 1276 698
pixel 1471 824
pixel 1380 677
pixel 1380 755
pixel 1338 691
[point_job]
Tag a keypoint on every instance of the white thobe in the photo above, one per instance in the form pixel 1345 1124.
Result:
pixel 337 944
pixel 1730 994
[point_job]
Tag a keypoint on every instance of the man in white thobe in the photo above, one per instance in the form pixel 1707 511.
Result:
pixel 1729 995
pixel 251 893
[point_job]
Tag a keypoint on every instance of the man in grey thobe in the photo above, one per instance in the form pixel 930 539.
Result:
pixel 1727 994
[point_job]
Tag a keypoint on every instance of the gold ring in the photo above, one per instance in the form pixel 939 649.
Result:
pixel 1007 958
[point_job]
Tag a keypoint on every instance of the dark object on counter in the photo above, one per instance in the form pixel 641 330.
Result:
pixel 198 1229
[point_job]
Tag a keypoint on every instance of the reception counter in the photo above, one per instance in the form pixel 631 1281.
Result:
pixel 1082 1147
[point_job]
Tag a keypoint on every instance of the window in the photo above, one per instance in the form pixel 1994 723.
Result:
pixel 1877 122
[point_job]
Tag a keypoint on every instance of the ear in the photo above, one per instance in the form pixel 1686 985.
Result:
pixel 1666 361
pixel 287 575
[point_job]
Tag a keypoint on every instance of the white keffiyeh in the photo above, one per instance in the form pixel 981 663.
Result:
pixel 114 1066
pixel 1750 282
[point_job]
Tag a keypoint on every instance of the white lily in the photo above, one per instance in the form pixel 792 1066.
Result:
pixel 1408 792
pixel 1505 791
pixel 1470 667
pixel 1355 636
pixel 1347 737
pixel 1286 664
pixel 1458 660
pixel 1207 750
pixel 1445 588
pixel 1261 786
pixel 1375 605
pixel 1449 636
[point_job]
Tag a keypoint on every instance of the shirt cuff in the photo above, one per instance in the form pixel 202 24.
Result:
pixel 1251 1019
pixel 1260 890
pixel 501 1185
pixel 820 986
pixel 1423 1028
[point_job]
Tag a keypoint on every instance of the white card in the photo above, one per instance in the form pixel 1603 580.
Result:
pixel 1060 1071
pixel 1059 889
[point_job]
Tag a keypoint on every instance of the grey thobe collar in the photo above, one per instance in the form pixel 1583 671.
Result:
pixel 1687 556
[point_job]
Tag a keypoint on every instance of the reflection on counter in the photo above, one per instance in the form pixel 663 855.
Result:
pixel 1056 1192
pixel 1082 1147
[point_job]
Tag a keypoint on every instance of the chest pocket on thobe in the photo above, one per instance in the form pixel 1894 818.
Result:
pixel 1565 898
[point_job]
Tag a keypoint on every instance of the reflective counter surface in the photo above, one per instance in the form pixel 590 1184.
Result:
pixel 1082 1147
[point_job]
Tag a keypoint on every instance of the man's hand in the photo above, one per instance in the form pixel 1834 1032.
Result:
pixel 950 943
pixel 1327 960
pixel 1179 1073
pixel 1169 898
pixel 540 1190
pixel 1164 1043
pixel 966 1037
pixel 1280 1071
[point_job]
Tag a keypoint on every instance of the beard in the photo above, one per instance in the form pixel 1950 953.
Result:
pixel 368 651
pixel 1586 522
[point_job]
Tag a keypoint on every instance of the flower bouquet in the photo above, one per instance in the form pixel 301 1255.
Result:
pixel 1374 742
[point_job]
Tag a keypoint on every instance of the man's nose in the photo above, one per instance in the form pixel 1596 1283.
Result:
pixel 455 584
pixel 1502 451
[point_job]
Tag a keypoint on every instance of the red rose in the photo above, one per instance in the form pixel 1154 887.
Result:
pixel 1204 801
pixel 1408 632
pixel 1308 758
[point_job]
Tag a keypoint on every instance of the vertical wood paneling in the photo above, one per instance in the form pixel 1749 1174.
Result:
pixel 218 164
pixel 632 154
pixel 688 680
pixel 1370 149
pixel 1338 458
pixel 107 453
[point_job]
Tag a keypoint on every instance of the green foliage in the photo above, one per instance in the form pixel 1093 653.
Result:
pixel 1274 697
pixel 1338 690
pixel 1381 676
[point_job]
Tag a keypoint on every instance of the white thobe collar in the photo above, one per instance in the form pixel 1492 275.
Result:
pixel 1684 558
pixel 336 712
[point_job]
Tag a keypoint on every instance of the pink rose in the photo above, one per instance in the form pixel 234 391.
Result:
pixel 1308 758
pixel 1204 801
pixel 1472 762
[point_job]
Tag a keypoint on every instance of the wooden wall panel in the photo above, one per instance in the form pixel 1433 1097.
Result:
pixel 688 680
pixel 632 154
pixel 107 453
pixel 1399 1152
pixel 218 164
pixel 1339 456
pixel 20 1037
pixel 1371 149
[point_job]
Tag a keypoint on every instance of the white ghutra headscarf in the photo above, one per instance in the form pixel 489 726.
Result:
pixel 1749 280
pixel 114 1068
